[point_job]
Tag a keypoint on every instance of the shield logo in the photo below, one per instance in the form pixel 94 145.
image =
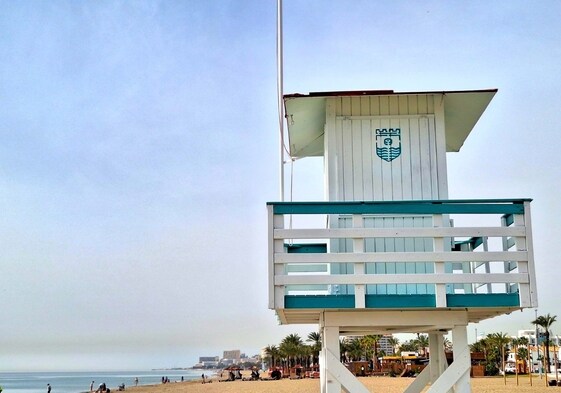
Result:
pixel 388 143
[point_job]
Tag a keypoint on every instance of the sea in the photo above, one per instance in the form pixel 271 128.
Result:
pixel 78 382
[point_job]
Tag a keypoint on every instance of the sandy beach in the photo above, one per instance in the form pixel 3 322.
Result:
pixel 374 384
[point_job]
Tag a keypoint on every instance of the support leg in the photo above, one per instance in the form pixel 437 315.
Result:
pixel 437 362
pixel 462 356
pixel 330 343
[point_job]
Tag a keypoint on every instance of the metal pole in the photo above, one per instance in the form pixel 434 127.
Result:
pixel 531 363
pixel 538 346
pixel 280 93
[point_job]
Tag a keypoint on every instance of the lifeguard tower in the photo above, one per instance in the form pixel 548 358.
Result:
pixel 387 251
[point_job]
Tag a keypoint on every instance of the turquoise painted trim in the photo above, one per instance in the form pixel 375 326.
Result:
pixel 481 300
pixel 306 248
pixel 400 301
pixel 473 206
pixel 319 301
pixel 509 219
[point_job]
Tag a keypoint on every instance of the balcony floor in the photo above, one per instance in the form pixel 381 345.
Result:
pixel 306 309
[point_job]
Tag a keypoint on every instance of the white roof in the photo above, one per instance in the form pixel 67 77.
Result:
pixel 462 110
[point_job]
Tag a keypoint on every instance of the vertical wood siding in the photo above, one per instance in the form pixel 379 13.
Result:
pixel 361 175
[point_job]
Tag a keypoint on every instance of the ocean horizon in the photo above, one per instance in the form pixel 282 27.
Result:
pixel 79 381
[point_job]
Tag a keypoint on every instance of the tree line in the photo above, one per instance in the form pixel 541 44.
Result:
pixel 293 350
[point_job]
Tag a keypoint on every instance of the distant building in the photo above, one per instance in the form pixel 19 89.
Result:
pixel 209 361
pixel 384 344
pixel 234 355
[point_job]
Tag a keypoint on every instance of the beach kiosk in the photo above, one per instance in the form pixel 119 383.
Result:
pixel 387 251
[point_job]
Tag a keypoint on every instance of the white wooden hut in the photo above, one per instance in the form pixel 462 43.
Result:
pixel 392 253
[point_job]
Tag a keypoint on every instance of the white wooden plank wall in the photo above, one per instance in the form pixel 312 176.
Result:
pixel 362 175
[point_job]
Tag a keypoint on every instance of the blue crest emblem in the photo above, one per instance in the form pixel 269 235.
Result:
pixel 388 143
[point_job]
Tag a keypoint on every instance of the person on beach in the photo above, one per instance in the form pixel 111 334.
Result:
pixel 203 377
pixel 91 386
pixel 48 388
pixel 136 381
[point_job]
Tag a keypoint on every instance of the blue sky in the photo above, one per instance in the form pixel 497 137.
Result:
pixel 138 147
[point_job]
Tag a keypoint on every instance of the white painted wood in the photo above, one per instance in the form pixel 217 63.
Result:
pixel 330 335
pixel 359 267
pixel 440 144
pixel 531 265
pixel 382 117
pixel 403 318
pixel 342 377
pixel 330 154
pixel 462 357
pixel 420 381
pixel 438 362
pixel 439 267
pixel 390 180
pixel 276 293
pixel 523 288
pixel 432 278
pixel 453 377
pixel 406 231
pixel 322 355
pixel 451 256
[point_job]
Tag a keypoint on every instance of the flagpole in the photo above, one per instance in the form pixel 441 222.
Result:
pixel 280 97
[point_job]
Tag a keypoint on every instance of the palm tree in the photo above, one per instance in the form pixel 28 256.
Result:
pixel 369 344
pixel 272 353
pixel 290 347
pixel 408 346
pixel 343 350
pixel 545 321
pixel 448 346
pixel 315 339
pixel 422 342
pixel 499 340
pixel 522 351
pixel 394 342
pixel 354 349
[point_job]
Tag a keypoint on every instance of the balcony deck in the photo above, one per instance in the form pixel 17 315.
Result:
pixel 403 255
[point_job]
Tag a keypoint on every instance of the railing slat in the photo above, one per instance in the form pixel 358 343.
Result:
pixel 432 278
pixel 407 257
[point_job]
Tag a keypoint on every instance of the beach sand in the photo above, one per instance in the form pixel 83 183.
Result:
pixel 374 384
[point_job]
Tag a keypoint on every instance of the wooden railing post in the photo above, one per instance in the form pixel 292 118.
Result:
pixel 440 289
pixel 359 268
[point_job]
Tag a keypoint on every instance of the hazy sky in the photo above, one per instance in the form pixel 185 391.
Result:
pixel 138 147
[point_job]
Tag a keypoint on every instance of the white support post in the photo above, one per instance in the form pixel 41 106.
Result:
pixel 345 379
pixel 330 346
pixel 530 247
pixel 523 288
pixel 322 359
pixel 438 361
pixel 279 270
pixel 436 367
pixel 457 375
pixel 506 264
pixel 462 357
pixel 440 289
pixel 419 382
pixel 359 268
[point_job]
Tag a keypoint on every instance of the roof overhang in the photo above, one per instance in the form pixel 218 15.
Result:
pixel 306 116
